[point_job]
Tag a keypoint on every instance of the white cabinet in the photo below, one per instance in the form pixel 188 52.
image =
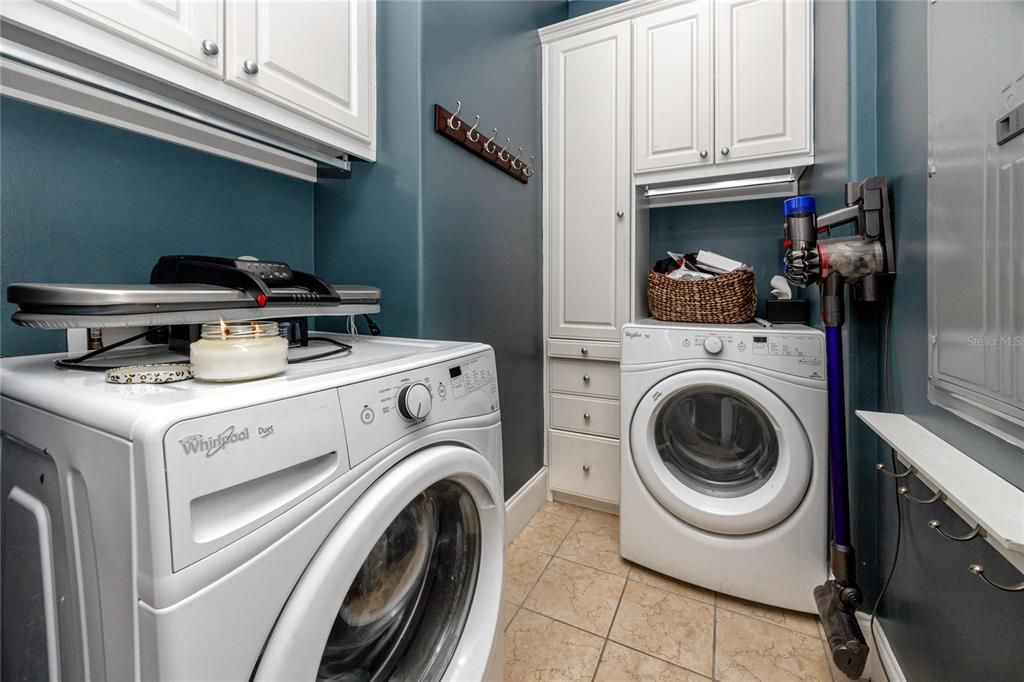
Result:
pixel 587 185
pixel 302 71
pixel 763 79
pixel 189 32
pixel 672 87
pixel 311 57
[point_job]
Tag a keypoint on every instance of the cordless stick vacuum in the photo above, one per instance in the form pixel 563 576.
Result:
pixel 865 262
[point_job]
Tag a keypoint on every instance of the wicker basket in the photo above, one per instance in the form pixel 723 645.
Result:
pixel 725 299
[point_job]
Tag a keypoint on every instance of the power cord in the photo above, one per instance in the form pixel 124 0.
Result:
pixel 887 406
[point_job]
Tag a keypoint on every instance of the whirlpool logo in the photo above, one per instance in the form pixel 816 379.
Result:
pixel 211 445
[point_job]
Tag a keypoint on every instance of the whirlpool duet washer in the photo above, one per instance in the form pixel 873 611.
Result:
pixel 343 521
pixel 724 463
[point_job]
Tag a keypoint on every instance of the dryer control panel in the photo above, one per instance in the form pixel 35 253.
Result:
pixel 381 411
pixel 790 349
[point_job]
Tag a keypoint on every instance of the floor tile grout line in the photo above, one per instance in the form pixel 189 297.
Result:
pixel 769 622
pixel 658 658
pixel 714 637
pixel 611 624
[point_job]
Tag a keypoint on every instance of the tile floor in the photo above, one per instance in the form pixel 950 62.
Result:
pixel 575 610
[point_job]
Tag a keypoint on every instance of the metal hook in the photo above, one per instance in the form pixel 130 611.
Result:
pixel 880 468
pixel 527 168
pixel 451 119
pixel 516 163
pixel 488 147
pixel 469 133
pixel 975 533
pixel 905 492
pixel 503 154
pixel 979 570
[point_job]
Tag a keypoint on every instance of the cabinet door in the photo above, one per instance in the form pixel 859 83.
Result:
pixel 672 87
pixel 587 183
pixel 175 29
pixel 763 78
pixel 315 58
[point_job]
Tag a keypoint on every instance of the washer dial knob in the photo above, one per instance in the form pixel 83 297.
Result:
pixel 414 402
pixel 713 345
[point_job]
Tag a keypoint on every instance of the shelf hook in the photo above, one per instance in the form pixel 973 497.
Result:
pixel 528 168
pixel 516 163
pixel 905 492
pixel 451 119
pixel 503 154
pixel 979 570
pixel 488 147
pixel 880 468
pixel 976 532
pixel 469 133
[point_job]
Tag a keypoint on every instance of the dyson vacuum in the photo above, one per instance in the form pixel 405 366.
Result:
pixel 866 262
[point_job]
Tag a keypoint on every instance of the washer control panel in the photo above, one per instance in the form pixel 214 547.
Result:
pixel 380 411
pixel 790 349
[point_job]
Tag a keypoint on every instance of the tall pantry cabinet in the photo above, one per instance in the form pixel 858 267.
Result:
pixel 646 94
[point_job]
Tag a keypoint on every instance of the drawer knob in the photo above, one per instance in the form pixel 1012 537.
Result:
pixel 586 378
pixel 703 153
pixel 250 67
pixel 619 214
pixel 725 151
pixel 209 48
pixel 586 468
pixel 584 350
pixel 586 416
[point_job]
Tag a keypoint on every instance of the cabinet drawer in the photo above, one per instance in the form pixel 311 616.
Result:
pixel 587 415
pixel 589 350
pixel 583 465
pixel 584 376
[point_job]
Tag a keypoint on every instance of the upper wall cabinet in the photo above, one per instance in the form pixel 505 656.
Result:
pixel 321 75
pixel 189 32
pixel 304 71
pixel 763 79
pixel 721 87
pixel 672 86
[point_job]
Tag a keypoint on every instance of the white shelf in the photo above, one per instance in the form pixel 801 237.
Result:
pixel 971 490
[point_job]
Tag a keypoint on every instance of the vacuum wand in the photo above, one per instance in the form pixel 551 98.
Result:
pixel 863 261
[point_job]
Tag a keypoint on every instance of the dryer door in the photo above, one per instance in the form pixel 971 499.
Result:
pixel 720 451
pixel 408 584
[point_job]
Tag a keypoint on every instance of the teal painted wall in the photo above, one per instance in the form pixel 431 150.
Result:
pixel 943 622
pixel 454 243
pixel 84 202
pixel 578 8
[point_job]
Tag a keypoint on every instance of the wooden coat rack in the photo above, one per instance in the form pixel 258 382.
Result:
pixel 469 137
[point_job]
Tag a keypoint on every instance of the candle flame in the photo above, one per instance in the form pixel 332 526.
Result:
pixel 223 329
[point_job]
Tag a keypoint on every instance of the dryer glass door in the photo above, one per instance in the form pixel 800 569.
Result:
pixel 405 611
pixel 407 586
pixel 720 451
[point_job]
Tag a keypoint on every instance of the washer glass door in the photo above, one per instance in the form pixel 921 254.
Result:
pixel 720 451
pixel 404 613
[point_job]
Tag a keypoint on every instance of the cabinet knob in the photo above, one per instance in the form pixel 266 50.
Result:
pixel 703 153
pixel 586 416
pixel 584 350
pixel 250 67
pixel 619 214
pixel 210 48
pixel 586 378
pixel 725 151
pixel 586 468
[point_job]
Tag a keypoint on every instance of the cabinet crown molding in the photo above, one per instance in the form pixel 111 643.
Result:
pixel 604 17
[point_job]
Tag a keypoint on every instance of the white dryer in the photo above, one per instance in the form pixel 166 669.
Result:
pixel 724 457
pixel 344 521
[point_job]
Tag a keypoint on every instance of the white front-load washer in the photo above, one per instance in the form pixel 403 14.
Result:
pixel 343 521
pixel 724 457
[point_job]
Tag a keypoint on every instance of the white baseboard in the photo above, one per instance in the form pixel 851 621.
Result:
pixel 882 665
pixel 521 507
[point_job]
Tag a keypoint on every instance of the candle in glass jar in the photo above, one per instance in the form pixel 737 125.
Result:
pixel 238 351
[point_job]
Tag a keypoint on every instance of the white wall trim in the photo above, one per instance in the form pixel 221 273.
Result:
pixel 882 665
pixel 526 501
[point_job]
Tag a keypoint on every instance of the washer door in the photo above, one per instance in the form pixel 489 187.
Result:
pixel 408 584
pixel 721 452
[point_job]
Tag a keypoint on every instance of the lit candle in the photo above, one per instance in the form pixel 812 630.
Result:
pixel 238 351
